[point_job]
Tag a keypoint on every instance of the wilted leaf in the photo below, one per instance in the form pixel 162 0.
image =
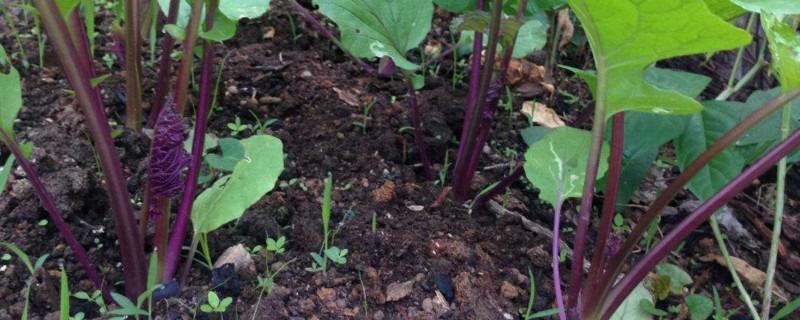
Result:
pixel 540 114
pixel 752 277
pixel 678 277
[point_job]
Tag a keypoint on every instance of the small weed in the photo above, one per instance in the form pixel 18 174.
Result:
pixel 237 127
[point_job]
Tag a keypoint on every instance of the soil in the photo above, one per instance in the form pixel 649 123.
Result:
pixel 417 262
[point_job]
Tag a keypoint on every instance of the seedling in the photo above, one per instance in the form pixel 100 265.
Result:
pixel 237 127
pixel 214 304
pixel 32 268
pixel 365 116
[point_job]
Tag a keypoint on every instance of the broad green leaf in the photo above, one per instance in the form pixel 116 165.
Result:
pixel 235 10
pixel 532 134
pixel 678 277
pixel 223 29
pixel 231 195
pixel 532 36
pixel 456 5
pixel 5 170
pixel 11 101
pixel 784 45
pixel 480 21
pixel 4 56
pixel 700 306
pixel 770 6
pixel 561 153
pixel 725 9
pixel 661 286
pixel 630 309
pixel 378 28
pixel 213 299
pixel 703 130
pixel 176 31
pixel 686 83
pixel 647 305
pixel 769 129
pixel 184 10
pixel 232 152
pixel 628 35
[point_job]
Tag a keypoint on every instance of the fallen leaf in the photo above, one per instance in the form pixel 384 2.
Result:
pixel 752 277
pixel 566 26
pixel 540 114
pixel 348 97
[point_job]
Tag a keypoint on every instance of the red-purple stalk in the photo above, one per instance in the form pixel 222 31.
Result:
pixel 162 82
pixel 79 71
pixel 182 220
pixel 610 201
pixel 185 67
pixel 133 52
pixel 556 232
pixel 692 222
pixel 501 186
pixel 418 131
pixel 55 215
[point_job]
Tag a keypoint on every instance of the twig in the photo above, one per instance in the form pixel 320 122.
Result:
pixel 737 281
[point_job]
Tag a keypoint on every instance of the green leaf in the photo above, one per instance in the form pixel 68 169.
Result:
pixel 532 134
pixel 66 6
pixel 561 153
pixel 700 307
pixel 11 102
pixel 176 31
pixel 532 36
pixel 237 9
pixel 64 299
pixel 206 308
pixel 627 36
pixel 184 11
pixel 770 6
pixel 545 313
pixel 213 299
pixel 225 303
pixel 232 153
pixel 22 255
pixel 703 130
pixel 678 277
pixel 661 286
pixel 784 45
pixel 788 309
pixel 480 21
pixel 769 129
pixel 374 29
pixel 231 195
pixel 5 170
pixel 222 30
pixel 95 81
pixel 630 309
pixel 686 83
pixel 457 5
pixel 123 302
pixel 647 305
pixel 724 9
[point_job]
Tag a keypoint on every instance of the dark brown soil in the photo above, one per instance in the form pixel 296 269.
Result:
pixel 304 84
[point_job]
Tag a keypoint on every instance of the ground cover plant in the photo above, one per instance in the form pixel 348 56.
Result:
pixel 633 123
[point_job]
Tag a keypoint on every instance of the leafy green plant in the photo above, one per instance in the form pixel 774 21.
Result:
pixel 237 127
pixel 365 115
pixel 32 268
pixel 214 304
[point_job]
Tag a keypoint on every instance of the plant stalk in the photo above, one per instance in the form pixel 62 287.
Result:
pixel 556 232
pixel 133 48
pixel 579 248
pixel 501 186
pixel 182 219
pixel 780 200
pixel 162 82
pixel 694 220
pixel 760 63
pixel 92 106
pixel 736 280
pixel 739 55
pixel 187 60
pixel 609 203
pixel 418 131
pixel 617 261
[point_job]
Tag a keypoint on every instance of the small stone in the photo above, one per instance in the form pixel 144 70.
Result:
pixel 269 100
pixel 539 256
pixel 233 89
pixel 427 305
pixel 419 277
pixel 385 193
pixel 326 84
pixel 306 74
pixel 440 305
pixel 378 315
pixel 508 290
pixel 396 291
pixel 241 259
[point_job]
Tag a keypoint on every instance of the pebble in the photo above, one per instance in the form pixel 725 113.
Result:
pixel 233 89
pixel 427 305
pixel 238 255
pixel 396 291
pixel 508 290
pixel 378 315
pixel 306 74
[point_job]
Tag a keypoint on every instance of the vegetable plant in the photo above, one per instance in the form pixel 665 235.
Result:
pixel 623 91
pixel 70 31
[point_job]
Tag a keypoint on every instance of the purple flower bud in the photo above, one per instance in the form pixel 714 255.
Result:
pixel 167 156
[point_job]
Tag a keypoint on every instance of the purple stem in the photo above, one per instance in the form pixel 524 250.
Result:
pixel 418 139
pixel 328 35
pixel 92 106
pixel 166 64
pixel 187 61
pixel 55 215
pixel 500 187
pixel 181 221
pixel 133 48
pixel 556 231
pixel 609 203
pixel 693 221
